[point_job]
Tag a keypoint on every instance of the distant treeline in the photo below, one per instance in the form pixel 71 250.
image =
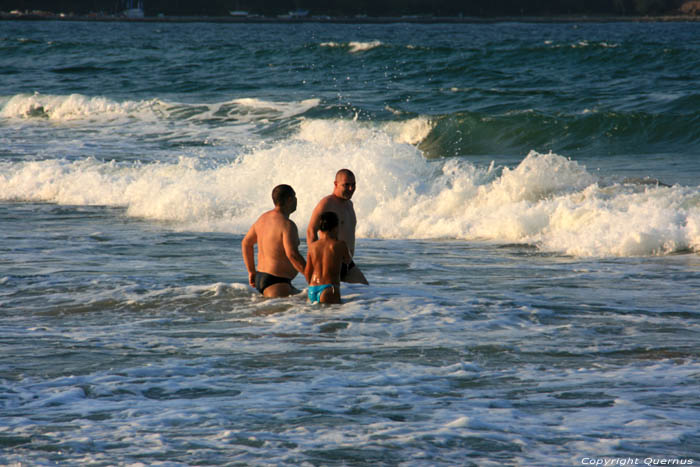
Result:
pixel 357 7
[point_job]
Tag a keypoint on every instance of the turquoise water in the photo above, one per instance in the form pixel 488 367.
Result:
pixel 528 218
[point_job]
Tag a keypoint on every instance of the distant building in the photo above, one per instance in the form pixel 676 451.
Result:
pixel 299 14
pixel 134 9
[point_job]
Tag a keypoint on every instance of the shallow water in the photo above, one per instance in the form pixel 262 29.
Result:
pixel 529 221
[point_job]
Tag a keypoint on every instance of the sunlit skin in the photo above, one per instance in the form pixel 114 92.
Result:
pixel 277 238
pixel 339 201
pixel 323 264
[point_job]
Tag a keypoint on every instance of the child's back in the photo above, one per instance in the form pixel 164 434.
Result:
pixel 324 260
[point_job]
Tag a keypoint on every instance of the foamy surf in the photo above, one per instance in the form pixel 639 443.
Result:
pixel 489 334
pixel 67 108
pixel 546 200
pixel 354 46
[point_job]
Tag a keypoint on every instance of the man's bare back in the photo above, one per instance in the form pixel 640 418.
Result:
pixel 277 238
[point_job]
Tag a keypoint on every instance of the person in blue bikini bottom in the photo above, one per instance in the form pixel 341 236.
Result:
pixel 324 260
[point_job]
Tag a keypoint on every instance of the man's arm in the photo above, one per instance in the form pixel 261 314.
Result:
pixel 347 258
pixel 290 239
pixel 248 251
pixel 312 229
pixel 354 274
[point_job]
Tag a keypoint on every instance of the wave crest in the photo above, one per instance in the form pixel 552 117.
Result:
pixel 66 108
pixel 63 108
pixel 545 200
pixel 354 46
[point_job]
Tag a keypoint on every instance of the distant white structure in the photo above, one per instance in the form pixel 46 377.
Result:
pixel 134 9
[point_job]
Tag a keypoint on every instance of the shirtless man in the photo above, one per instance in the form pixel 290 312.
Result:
pixel 326 255
pixel 278 247
pixel 339 203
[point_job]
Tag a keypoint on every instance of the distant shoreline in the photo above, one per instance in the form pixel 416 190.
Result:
pixel 355 20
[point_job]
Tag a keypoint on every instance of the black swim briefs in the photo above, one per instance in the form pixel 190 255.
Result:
pixel 345 268
pixel 264 280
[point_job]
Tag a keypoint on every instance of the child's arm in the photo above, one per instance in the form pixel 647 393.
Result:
pixel 309 269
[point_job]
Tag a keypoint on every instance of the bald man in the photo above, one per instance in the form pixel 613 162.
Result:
pixel 340 203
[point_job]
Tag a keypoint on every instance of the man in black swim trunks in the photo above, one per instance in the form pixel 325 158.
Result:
pixel 340 203
pixel 277 238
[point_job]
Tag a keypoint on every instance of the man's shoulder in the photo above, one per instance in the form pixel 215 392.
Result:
pixel 285 223
pixel 332 202
pixel 274 218
pixel 326 200
pixel 267 216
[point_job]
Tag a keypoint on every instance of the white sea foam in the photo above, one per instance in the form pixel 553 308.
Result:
pixel 66 108
pixel 354 46
pixel 412 131
pixel 276 110
pixel 547 200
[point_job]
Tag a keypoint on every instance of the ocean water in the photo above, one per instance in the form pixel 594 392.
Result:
pixel 528 217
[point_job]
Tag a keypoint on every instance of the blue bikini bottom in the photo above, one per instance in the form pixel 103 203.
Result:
pixel 315 292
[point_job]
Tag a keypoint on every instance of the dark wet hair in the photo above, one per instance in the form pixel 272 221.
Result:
pixel 281 193
pixel 329 221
